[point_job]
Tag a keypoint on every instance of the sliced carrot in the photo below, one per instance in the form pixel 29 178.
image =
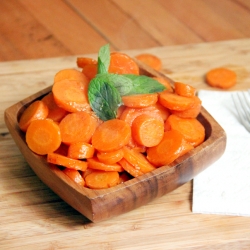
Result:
pixel 173 101
pixel 192 130
pixel 71 95
pixel 122 64
pixel 147 130
pixel 183 89
pixel 140 101
pixel 151 60
pixel 43 136
pixel 90 71
pixel 221 77
pixel 83 61
pixel 168 150
pixel 37 110
pixel 74 175
pixel 78 126
pixel 128 167
pixel 70 74
pixel 67 162
pixel 94 163
pixel 135 146
pixel 87 172
pixel 111 135
pixel 101 179
pixel 110 157
pixel 55 113
pixel 164 82
pixel 81 150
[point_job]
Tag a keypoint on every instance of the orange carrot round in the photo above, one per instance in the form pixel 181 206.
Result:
pixel 90 71
pixel 37 110
pixel 70 74
pixel 110 157
pixel 43 136
pixel 74 175
pixel 140 101
pixel 183 89
pixel 83 61
pixel 81 150
pixel 128 167
pixel 151 60
pixel 94 163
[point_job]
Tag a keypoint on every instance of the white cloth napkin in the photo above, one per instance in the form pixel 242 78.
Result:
pixel 224 187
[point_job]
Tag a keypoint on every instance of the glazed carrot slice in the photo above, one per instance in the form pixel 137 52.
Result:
pixel 80 150
pixel 78 126
pixel 137 160
pixel 140 101
pixel 128 167
pixel 121 63
pixel 111 135
pixel 71 95
pixel 67 162
pixel 147 130
pixel 168 150
pixel 110 157
pixel 94 163
pixel 55 113
pixel 83 61
pixel 37 110
pixel 90 71
pixel 151 60
pixel 101 179
pixel 192 130
pixel 87 172
pixel 70 74
pixel 43 136
pixel 221 77
pixel 173 101
pixel 74 175
pixel 164 82
pixel 183 89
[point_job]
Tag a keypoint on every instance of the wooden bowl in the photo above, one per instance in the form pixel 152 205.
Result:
pixel 102 204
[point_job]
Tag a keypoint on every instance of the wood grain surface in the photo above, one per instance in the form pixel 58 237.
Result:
pixel 40 37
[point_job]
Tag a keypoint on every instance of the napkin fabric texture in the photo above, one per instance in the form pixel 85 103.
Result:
pixel 224 187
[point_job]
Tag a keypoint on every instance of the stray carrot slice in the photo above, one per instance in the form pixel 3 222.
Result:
pixel 90 71
pixel 164 82
pixel 37 110
pixel 128 167
pixel 122 64
pixel 71 95
pixel 147 130
pixel 111 135
pixel 83 61
pixel 110 157
pixel 67 162
pixel 101 179
pixel 94 163
pixel 81 150
pixel 43 136
pixel 175 102
pixel 70 74
pixel 221 77
pixel 192 130
pixel 183 89
pixel 55 113
pixel 137 160
pixel 78 126
pixel 151 60
pixel 74 175
pixel 168 150
pixel 140 101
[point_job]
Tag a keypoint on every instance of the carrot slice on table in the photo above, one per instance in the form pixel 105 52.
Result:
pixel 140 101
pixel 183 89
pixel 78 126
pixel 70 74
pixel 128 167
pixel 164 82
pixel 221 77
pixel 192 130
pixel 110 157
pixel 43 136
pixel 101 179
pixel 94 163
pixel 90 71
pixel 168 150
pixel 151 60
pixel 71 95
pixel 83 61
pixel 147 130
pixel 111 135
pixel 74 175
pixel 81 150
pixel 55 113
pixel 37 110
pixel 122 64
pixel 67 162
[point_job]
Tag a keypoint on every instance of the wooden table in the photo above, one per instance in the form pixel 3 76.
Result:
pixel 32 216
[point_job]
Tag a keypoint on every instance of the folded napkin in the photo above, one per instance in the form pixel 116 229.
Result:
pixel 224 187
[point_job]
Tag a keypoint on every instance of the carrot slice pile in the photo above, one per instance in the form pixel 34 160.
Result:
pixel 75 176
pixel 94 163
pixel 80 150
pixel 110 157
pixel 151 60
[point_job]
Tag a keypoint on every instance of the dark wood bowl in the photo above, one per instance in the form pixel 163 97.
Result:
pixel 102 204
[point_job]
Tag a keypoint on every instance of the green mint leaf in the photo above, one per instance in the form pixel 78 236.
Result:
pixel 103 59
pixel 104 99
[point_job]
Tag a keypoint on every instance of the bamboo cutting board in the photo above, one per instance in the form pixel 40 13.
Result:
pixel 32 216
